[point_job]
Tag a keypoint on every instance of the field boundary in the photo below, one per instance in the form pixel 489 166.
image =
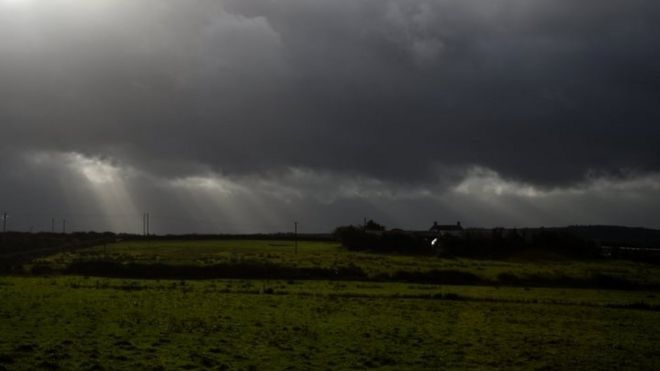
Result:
pixel 256 270
pixel 445 296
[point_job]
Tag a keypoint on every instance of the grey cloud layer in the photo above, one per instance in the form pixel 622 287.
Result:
pixel 539 90
pixel 408 94
pixel 96 194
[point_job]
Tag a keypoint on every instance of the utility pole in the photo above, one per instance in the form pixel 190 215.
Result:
pixel 295 236
pixel 148 226
pixel 145 224
pixel 4 226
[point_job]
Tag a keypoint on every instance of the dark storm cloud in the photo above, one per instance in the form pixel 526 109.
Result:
pixel 384 105
pixel 543 91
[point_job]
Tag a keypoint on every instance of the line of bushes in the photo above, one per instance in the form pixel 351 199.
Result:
pixel 254 270
pixel 359 239
pixel 238 270
pixel 480 244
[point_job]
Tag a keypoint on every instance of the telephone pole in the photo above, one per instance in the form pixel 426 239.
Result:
pixel 145 224
pixel 295 236
pixel 4 222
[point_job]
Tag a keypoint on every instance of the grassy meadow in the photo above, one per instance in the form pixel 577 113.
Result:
pixel 330 255
pixel 65 321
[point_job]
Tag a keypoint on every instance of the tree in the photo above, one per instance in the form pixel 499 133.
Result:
pixel 373 226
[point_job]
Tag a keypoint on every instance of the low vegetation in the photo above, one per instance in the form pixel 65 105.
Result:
pixel 276 304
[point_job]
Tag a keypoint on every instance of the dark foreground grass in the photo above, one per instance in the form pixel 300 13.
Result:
pixel 77 323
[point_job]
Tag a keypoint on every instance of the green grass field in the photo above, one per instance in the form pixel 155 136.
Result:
pixel 78 323
pixel 92 323
pixel 331 255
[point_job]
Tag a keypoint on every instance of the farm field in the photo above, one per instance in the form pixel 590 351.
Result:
pixel 91 323
pixel 330 255
pixel 61 320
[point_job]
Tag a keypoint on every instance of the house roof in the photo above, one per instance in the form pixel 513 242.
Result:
pixel 446 227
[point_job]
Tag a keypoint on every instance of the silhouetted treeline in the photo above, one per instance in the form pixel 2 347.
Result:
pixel 359 238
pixel 619 236
pixel 494 243
pixel 502 243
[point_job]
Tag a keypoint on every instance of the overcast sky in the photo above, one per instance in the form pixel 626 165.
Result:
pixel 246 115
